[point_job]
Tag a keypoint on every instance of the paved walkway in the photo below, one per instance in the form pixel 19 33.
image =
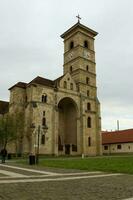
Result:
pixel 30 184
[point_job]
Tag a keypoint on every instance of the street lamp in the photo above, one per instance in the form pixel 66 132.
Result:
pixel 38 132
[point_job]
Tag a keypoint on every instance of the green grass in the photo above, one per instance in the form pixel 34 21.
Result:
pixel 119 164
pixel 106 164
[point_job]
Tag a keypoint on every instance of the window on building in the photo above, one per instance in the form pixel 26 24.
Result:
pixel 89 141
pixel 105 147
pixel 59 140
pixel 119 146
pixel 87 68
pixel 87 80
pixel 71 68
pixel 60 146
pixel 88 93
pixel 43 113
pixel 74 147
pixel 44 98
pixel 89 122
pixel 65 84
pixel 44 121
pixel 71 45
pixel 43 139
pixel 88 106
pixel 71 86
pixel 86 44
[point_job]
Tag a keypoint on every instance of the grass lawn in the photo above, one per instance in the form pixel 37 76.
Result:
pixel 106 164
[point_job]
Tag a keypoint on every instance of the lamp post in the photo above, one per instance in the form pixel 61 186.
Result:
pixel 38 132
pixel 38 143
pixel 37 139
pixel 44 128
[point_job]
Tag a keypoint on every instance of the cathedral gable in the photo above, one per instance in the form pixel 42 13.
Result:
pixel 67 82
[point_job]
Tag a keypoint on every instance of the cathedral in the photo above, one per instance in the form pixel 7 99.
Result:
pixel 62 116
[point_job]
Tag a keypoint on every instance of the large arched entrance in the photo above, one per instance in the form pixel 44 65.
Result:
pixel 67 138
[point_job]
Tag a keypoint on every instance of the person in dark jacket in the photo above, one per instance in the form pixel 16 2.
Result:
pixel 3 155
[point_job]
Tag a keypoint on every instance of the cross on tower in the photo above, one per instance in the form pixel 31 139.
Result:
pixel 79 18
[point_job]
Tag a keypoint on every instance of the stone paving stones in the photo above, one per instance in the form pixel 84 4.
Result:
pixel 43 184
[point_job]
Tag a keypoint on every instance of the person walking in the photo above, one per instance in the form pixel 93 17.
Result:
pixel 3 155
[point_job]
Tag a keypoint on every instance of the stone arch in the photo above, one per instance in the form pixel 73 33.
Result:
pixel 68 112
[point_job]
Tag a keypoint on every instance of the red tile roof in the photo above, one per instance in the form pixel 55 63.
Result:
pixel 121 136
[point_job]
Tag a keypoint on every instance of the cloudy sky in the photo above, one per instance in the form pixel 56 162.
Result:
pixel 30 45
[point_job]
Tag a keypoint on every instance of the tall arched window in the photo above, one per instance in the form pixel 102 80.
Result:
pixel 71 69
pixel 59 140
pixel 89 141
pixel 43 113
pixel 44 98
pixel 43 139
pixel 88 93
pixel 44 121
pixel 88 106
pixel 89 122
pixel 71 86
pixel 87 68
pixel 87 80
pixel 71 45
pixel 86 44
pixel 65 84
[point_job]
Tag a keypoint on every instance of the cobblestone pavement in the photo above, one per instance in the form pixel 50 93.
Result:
pixel 46 184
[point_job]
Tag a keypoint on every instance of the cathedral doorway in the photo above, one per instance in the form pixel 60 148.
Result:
pixel 67 125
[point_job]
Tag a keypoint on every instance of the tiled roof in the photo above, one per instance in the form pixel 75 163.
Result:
pixel 43 81
pixel 81 26
pixel 19 84
pixel 4 107
pixel 121 136
pixel 37 80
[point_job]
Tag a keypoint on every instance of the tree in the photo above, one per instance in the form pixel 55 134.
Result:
pixel 7 130
pixel 11 130
pixel 18 119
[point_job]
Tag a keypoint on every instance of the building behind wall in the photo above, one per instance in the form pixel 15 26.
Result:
pixel 117 142
pixel 63 115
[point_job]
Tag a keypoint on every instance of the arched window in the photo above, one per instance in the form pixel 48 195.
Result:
pixel 89 122
pixel 88 106
pixel 89 141
pixel 44 121
pixel 87 80
pixel 87 68
pixel 43 113
pixel 71 45
pixel 65 84
pixel 71 69
pixel 86 44
pixel 88 93
pixel 71 86
pixel 44 98
pixel 43 139
pixel 59 140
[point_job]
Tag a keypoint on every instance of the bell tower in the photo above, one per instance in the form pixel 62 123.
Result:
pixel 79 61
pixel 79 57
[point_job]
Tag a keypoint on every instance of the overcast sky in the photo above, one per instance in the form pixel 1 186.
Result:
pixel 30 46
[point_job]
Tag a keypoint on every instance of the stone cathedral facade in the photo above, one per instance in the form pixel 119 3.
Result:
pixel 62 116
